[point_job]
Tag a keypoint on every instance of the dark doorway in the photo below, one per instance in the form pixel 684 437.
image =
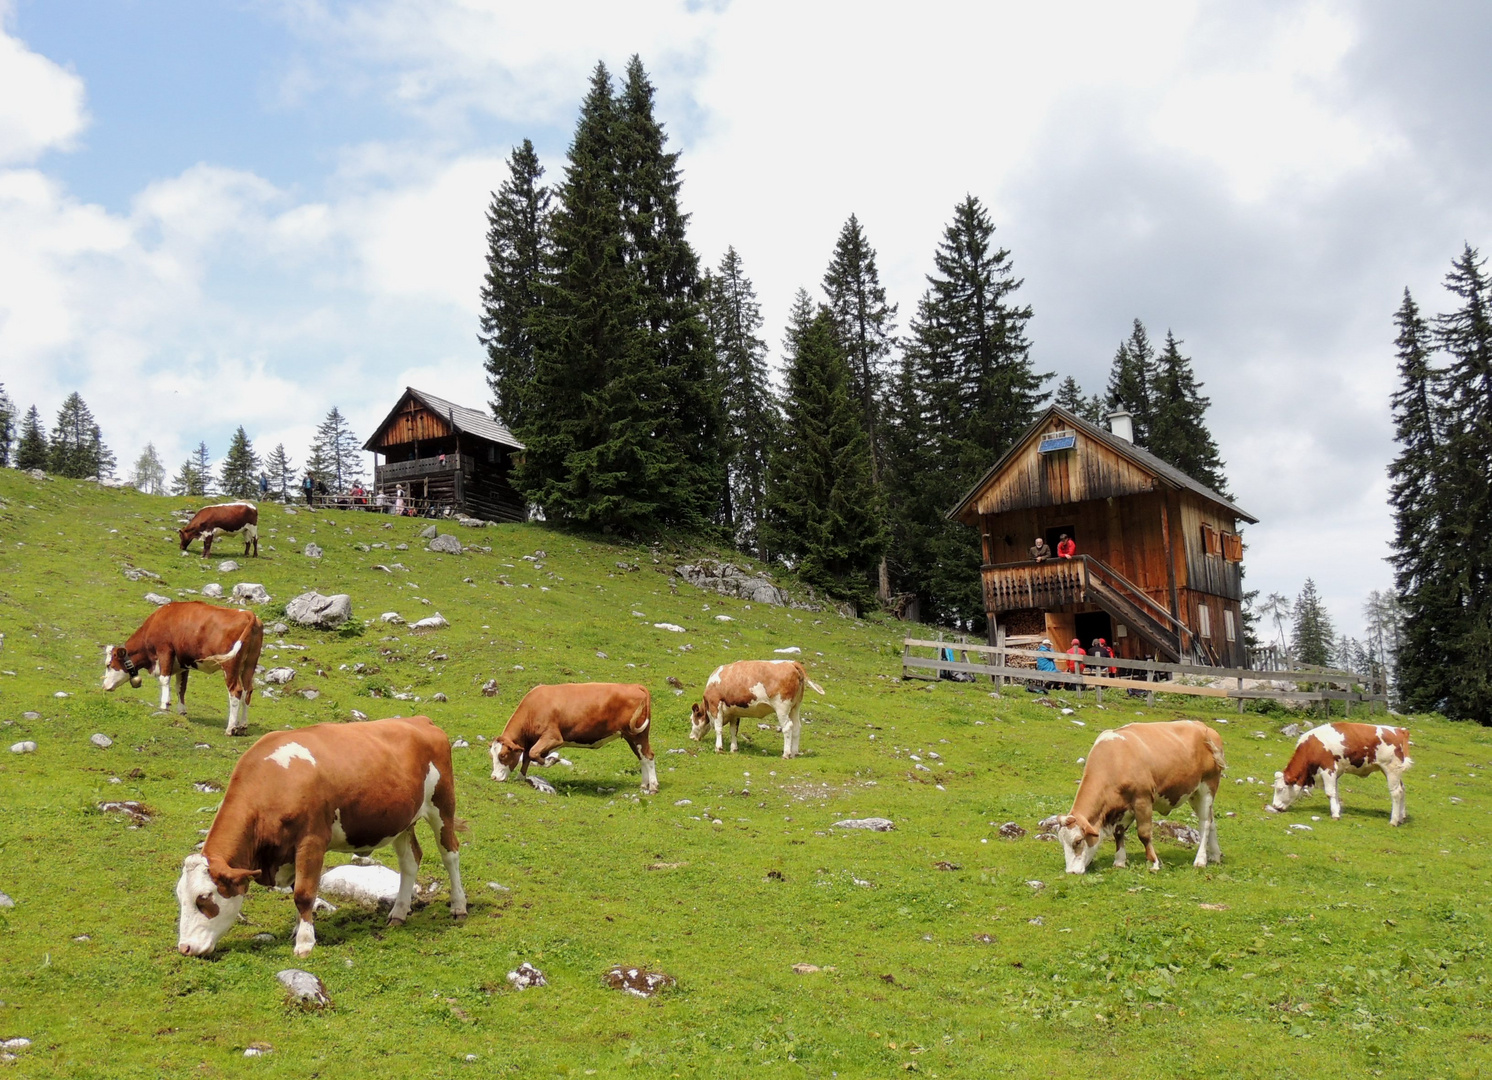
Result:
pixel 1053 535
pixel 1088 625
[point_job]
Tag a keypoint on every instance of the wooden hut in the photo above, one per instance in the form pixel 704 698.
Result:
pixel 1158 571
pixel 446 456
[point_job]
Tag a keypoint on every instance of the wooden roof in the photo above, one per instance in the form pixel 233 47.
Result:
pixel 1100 465
pixel 441 417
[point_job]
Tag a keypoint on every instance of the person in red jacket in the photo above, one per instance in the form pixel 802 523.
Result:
pixel 1076 650
pixel 1066 549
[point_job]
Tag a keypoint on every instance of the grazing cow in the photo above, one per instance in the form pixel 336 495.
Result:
pixel 224 519
pixel 576 714
pixel 180 638
pixel 295 795
pixel 1135 772
pixel 753 688
pixel 1333 749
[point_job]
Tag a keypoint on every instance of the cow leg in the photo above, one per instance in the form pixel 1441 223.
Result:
pixel 735 733
pixel 1329 779
pixel 797 718
pixel 1214 852
pixel 405 848
pixel 719 721
pixel 442 821
pixel 1144 827
pixel 1121 857
pixel 207 543
pixel 785 725
pixel 644 751
pixel 181 681
pixel 1395 778
pixel 1201 801
pixel 308 860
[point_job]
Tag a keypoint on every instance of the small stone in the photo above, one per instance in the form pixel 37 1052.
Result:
pixel 806 969
pixel 540 784
pixel 874 824
pixel 401 547
pixel 495 887
pixel 260 1049
pixel 279 676
pixel 263 938
pixel 724 618
pixel 6 901
pixel 1290 731
pixel 672 628
pixel 83 939
pixel 16 1044
pixel 100 740
pixel 444 544
pixel 393 618
pixel 1036 886
pixel 253 593
pixel 213 590
pixel 526 976
pixel 279 628
pixel 207 787
pixel 30 715
pixel 227 566
pixel 789 650
pixel 312 551
pixel 26 747
pixel 157 599
pixel 359 715
pixel 460 744
pixel 433 622
pixel 438 696
pixel 1011 831
pixel 429 533
pixel 601 655
pixel 137 812
pixel 489 688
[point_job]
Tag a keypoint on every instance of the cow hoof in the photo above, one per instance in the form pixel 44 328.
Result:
pixel 395 922
pixel 181 709
pixel 459 915
pixel 1155 867
pixel 302 952
pixel 237 731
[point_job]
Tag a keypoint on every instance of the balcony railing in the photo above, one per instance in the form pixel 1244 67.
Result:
pixel 393 471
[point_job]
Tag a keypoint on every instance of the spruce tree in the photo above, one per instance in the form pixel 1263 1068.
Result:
pixel 1133 382
pixel 281 472
pixel 967 391
pixel 517 220
pixel 7 426
pixel 336 455
pixel 748 411
pixel 149 475
pixel 72 450
pixel 1070 397
pixel 202 469
pixel 31 448
pixel 104 461
pixel 1465 335
pixel 239 475
pixel 1178 428
pixel 823 517
pixel 1313 637
pixel 190 479
pixel 865 323
pixel 1417 494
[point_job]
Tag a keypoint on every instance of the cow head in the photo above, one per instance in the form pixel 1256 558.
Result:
pixel 699 722
pixel 187 536
pixel 1079 842
pixel 211 898
pixel 1285 793
pixel 506 757
pixel 118 670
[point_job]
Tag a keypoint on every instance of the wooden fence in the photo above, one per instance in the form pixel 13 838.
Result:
pixel 1154 676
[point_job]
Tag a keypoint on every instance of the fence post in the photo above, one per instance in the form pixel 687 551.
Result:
pixel 1000 661
pixel 1150 694
pixel 906 651
pixel 1240 693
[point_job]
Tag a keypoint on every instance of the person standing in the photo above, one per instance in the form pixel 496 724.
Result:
pixel 308 485
pixel 1066 548
pixel 263 487
pixel 1041 551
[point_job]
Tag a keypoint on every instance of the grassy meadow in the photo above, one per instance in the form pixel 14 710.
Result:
pixel 942 948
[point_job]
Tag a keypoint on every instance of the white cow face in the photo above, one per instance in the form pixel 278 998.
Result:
pixel 505 759
pixel 1079 843
pixel 206 913
pixel 1285 794
pixel 699 722
pixel 114 674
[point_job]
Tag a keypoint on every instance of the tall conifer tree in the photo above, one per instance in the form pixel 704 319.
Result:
pixel 31 448
pixel 76 448
pixel 8 431
pixel 1178 427
pixel 823 516
pixel 336 456
pixel 866 325
pixel 281 472
pixel 748 411
pixel 517 220
pixel 1313 637
pixel 1133 382
pixel 149 475
pixel 1070 397
pixel 239 476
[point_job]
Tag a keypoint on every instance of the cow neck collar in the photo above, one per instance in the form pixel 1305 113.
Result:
pixel 130 667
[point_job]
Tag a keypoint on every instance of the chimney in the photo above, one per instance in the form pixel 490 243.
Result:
pixel 1122 425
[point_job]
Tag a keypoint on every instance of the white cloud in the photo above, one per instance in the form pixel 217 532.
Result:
pixel 41 103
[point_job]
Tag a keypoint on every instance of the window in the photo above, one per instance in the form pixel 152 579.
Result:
pixel 1228 626
pixel 1232 547
pixel 1204 620
pixel 1212 541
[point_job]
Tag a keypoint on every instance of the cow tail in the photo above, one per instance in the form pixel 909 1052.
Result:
pixel 815 687
pixel 1215 744
pixel 645 712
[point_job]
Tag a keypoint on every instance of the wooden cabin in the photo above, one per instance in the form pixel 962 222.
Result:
pixel 446 456
pixel 1158 570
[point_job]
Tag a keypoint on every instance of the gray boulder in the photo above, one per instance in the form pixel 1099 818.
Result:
pixel 213 589
pixel 157 599
pixel 279 628
pixel 27 747
pixel 227 566
pixel 434 622
pixel 279 676
pixel 100 740
pixel 134 573
pixel 304 988
pixel 446 544
pixel 875 824
pixel 312 551
pixel 731 580
pixel 247 592
pixel 313 609
pixel 429 533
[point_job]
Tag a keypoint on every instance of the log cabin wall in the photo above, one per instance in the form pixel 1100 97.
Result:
pixel 415 424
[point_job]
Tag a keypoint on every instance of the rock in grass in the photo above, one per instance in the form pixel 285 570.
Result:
pixel 1011 831
pixel 371 884
pixel 434 622
pixel 279 676
pixel 313 609
pixel 100 740
pixel 279 628
pixel 259 1049
pixel 16 1044
pixel 313 551
pixel 429 533
pixel 638 981
pixel 213 590
pixel 875 824
pixel 134 573
pixel 30 714
pixel 673 628
pixel 157 599
pixel 137 812
pixel 26 747
pixel 1291 731
pixel 540 784
pixel 526 976
pixel 393 618
pixel 489 688
pixel 252 593
pixel 445 544
pixel 6 901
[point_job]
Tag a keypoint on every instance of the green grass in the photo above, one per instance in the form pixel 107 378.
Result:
pixel 1351 948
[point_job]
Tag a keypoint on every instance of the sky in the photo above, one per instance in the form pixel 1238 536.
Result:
pixel 251 211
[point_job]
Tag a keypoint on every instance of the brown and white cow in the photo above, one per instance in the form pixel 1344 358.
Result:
pixel 192 636
pixel 1330 750
pixel 295 795
pixel 1135 772
pixel 576 714
pixel 224 519
pixel 753 688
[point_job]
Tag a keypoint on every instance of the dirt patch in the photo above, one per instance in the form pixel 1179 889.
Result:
pixel 985 939
pixel 1184 835
pixel 207 787
pixel 137 812
pixel 944 864
pixel 1011 831
pixel 638 981
pixel 666 865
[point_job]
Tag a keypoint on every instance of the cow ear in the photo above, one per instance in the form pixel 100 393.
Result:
pixel 233 882
pixel 1067 822
pixel 1088 830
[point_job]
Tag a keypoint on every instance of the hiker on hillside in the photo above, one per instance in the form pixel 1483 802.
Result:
pixel 1043 663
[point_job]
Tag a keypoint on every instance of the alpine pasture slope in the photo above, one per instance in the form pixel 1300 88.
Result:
pixel 1352 946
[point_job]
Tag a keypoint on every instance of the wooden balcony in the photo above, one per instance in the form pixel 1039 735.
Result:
pixel 1044 585
pixel 391 472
